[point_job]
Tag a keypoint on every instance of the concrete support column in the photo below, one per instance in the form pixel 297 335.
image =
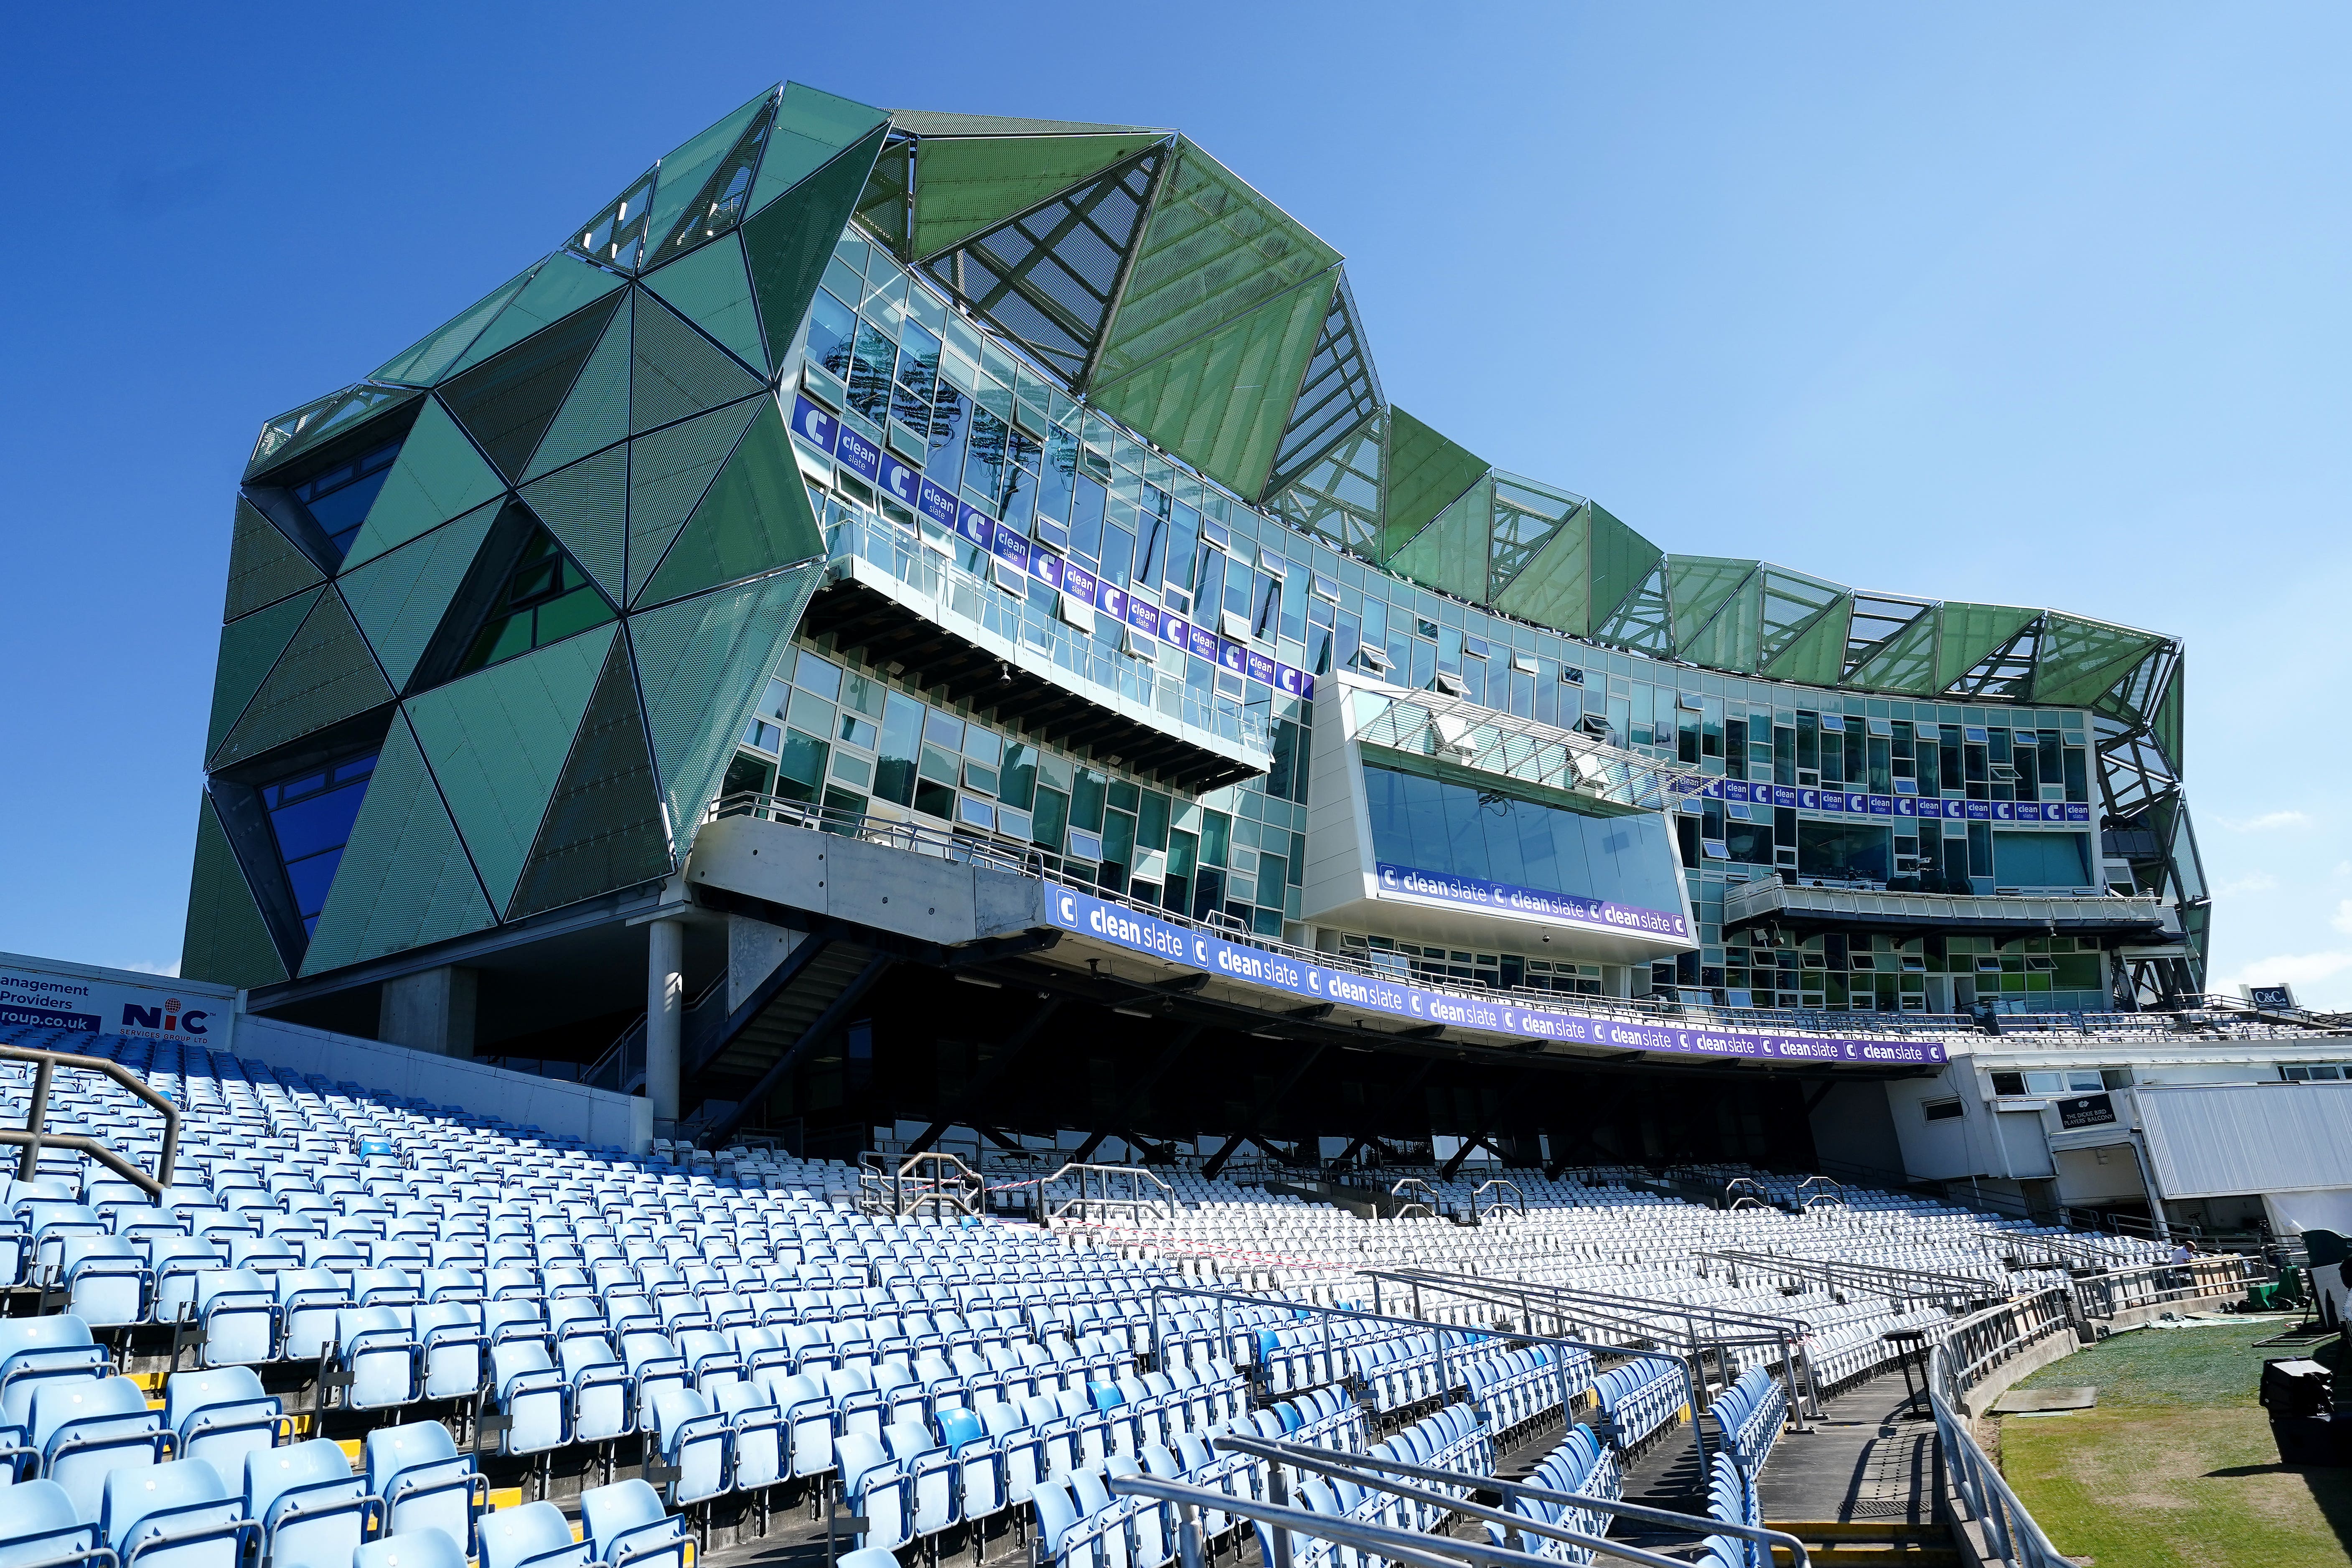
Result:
pixel 432 1010
pixel 665 1015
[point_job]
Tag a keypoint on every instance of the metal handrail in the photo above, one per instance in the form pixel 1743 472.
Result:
pixel 940 1182
pixel 1400 1545
pixel 1518 1199
pixel 1880 1279
pixel 2012 1535
pixel 1134 1204
pixel 33 1139
pixel 1354 1465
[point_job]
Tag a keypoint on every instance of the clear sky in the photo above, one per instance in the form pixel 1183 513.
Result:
pixel 2026 304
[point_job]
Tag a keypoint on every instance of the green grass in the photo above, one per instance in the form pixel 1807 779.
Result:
pixel 2175 1465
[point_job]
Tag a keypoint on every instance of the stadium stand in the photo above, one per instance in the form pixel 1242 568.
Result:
pixel 351 1320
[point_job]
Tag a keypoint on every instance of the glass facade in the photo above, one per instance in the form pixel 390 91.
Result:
pixel 1433 824
pixel 310 819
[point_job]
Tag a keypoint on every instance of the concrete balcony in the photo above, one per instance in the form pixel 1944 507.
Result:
pixel 1767 900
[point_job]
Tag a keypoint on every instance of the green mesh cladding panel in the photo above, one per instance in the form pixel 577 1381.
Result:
pixel 426 361
pixel 789 241
pixel 1643 620
pixel 967 185
pixel 755 517
pixel 685 173
pixel 1972 631
pixel 1554 589
pixel 1451 554
pixel 1427 472
pixel 562 284
pixel 1221 402
pixel 398 599
pixel 1815 652
pixel 291 434
pixel 507 402
pixel 586 507
pixel 404 881
pixel 1698 586
pixel 668 471
pixel 2080 659
pixel 228 941
pixel 264 567
pixel 1213 250
pixel 676 373
pixel 603 828
pixel 2165 724
pixel 437 475
pixel 1622 562
pixel 496 742
pixel 1792 602
pixel 325 674
pixel 596 413
pixel 1904 660
pixel 248 651
pixel 711 287
pixel 700 662
pixel 812 129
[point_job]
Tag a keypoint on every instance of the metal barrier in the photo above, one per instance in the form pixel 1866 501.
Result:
pixel 1519 1201
pixel 1096 1199
pixel 1830 1192
pixel 1875 1279
pixel 1976 1345
pixel 34 1137
pixel 1426 1203
pixel 2117 1290
pixel 940 1184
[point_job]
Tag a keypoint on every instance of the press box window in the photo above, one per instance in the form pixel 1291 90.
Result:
pixel 1940 1109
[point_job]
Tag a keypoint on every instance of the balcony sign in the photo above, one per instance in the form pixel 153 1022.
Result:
pixel 1410 884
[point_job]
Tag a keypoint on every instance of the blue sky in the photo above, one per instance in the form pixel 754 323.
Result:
pixel 2021 304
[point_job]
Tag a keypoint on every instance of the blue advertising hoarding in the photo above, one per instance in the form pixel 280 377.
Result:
pixel 1087 916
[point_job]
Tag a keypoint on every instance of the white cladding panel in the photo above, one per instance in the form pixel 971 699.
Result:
pixel 2219 1139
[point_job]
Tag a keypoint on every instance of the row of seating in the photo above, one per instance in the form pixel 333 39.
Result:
pixel 1583 1464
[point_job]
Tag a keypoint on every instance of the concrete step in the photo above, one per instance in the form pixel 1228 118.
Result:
pixel 1868 1544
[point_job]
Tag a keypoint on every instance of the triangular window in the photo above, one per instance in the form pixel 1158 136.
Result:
pixel 310 817
pixel 339 499
pixel 546 598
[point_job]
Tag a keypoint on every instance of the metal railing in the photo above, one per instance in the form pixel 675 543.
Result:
pixel 33 1136
pixel 1975 1346
pixel 1105 1192
pixel 1426 1201
pixel 2117 1290
pixel 1871 1279
pixel 934 1183
pixel 1498 1187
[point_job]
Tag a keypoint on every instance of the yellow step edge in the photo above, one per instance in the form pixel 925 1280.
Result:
pixel 351 1447
pixel 151 1382
pixel 1855 1530
pixel 505 1497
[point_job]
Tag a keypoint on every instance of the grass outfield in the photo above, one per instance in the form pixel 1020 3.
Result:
pixel 2175 1465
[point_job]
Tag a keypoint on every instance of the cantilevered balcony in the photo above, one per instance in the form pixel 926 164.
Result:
pixel 1806 905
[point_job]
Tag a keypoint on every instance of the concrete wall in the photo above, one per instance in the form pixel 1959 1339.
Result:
pixel 561 1109
pixel 941 901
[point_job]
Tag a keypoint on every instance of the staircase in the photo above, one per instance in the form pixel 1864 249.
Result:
pixel 1869 1543
pixel 770 1033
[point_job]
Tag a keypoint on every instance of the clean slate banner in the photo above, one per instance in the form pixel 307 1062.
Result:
pixel 1411 884
pixel 818 427
pixel 1085 915
pixel 1789 796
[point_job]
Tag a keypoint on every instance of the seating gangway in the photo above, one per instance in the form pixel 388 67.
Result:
pixel 1700 1332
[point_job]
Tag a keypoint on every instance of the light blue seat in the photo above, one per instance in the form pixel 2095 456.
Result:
pixel 535 1535
pixel 220 1415
pixel 757 1433
pixel 627 1527
pixel 601 1405
pixel 376 1346
pixel 694 1439
pixel 930 1470
pixel 416 1549
pixel 106 1282
pixel 39 1526
pixel 451 1345
pixel 809 1424
pixel 309 1300
pixel 312 1510
pixel 37 1351
pixel 877 1489
pixel 86 1431
pixel 532 1395
pixel 424 1482
pixel 240 1314
pixel 181 1514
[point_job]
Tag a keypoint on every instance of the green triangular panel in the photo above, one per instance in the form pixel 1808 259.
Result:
pixel 676 373
pixel 596 413
pixel 1815 654
pixel 1698 586
pixel 754 518
pixel 325 674
pixel 2166 721
pixel 404 881
pixel 340 412
pixel 264 567
pixel 1728 641
pixel 1969 633
pixel 1553 589
pixel 437 475
pixel 1904 662
pixel 1427 472
pixel 1213 250
pixel 227 943
pixel 668 471
pixel 562 284
pixel 700 663
pixel 711 287
pixel 964 185
pixel 812 129
pixel 788 243
pixel 586 507
pixel 1644 619
pixel 248 651
pixel 1450 554
pixel 1221 402
pixel 427 360
pixel 497 740
pixel 2078 659
pixel 507 402
pixel 398 599
pixel 685 171
pixel 1621 562
pixel 603 830
pixel 1792 603
pixel 882 201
